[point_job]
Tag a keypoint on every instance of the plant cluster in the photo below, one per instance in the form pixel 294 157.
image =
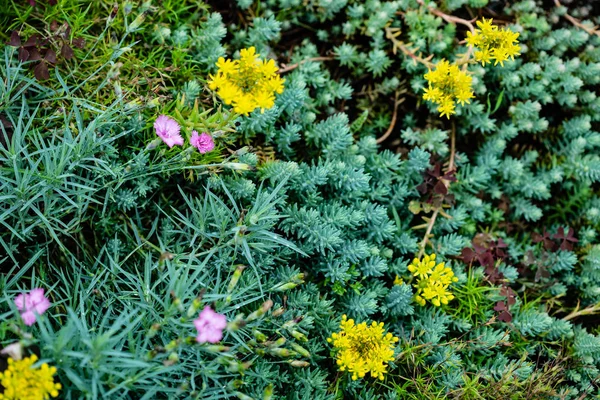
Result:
pixel 183 218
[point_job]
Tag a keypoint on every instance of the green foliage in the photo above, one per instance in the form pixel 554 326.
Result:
pixel 303 212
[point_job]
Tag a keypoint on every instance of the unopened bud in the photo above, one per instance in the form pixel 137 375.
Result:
pixel 298 363
pixel 299 336
pixel 242 396
pixel 266 306
pixel 136 23
pixel 237 166
pixel 278 312
pixel 172 359
pixel 303 352
pixel 268 392
pixel 194 307
pixel 235 278
pixel 283 353
pixel 153 330
pixel 260 337
pixel 152 145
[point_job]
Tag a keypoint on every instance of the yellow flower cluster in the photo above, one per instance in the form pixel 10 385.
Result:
pixel 22 382
pixel 432 281
pixel 493 43
pixel 363 349
pixel 247 83
pixel 447 85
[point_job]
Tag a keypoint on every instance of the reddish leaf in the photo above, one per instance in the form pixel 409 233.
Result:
pixel 66 51
pixel 23 54
pixel 54 26
pixel 32 3
pixel 50 56
pixel 500 306
pixel 505 316
pixel 486 259
pixel 52 2
pixel 15 39
pixel 34 54
pixel 33 40
pixel 467 255
pixel 79 43
pixel 41 71
pixel 440 188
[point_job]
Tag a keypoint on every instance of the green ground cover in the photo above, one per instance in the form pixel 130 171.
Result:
pixel 299 199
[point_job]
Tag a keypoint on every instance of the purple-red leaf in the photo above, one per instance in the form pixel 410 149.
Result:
pixel 78 42
pixel 440 188
pixel 50 56
pixel 41 71
pixel 505 316
pixel 34 54
pixel 15 39
pixel 32 41
pixel 23 55
pixel 500 306
pixel 66 51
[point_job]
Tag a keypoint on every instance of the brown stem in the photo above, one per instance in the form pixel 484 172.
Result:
pixel 449 18
pixel 392 34
pixel 292 67
pixel 394 117
pixel 446 182
pixel 452 150
pixel 593 309
pixel 428 231
pixel 577 23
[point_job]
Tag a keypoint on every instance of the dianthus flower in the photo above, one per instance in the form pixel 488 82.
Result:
pixel 247 83
pixel 31 305
pixel 210 325
pixel 492 43
pixel 447 85
pixel 168 130
pixel 203 142
pixel 363 348
pixel 433 281
pixel 21 381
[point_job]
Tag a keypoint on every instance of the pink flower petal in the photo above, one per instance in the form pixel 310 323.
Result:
pixel 28 318
pixel 210 325
pixel 19 302
pixel 36 295
pixel 203 142
pixel 168 130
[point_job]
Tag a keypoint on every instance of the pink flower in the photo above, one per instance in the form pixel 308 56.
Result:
pixel 168 130
pixel 204 142
pixel 210 325
pixel 31 305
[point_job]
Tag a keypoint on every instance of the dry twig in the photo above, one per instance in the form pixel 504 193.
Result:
pixel 292 67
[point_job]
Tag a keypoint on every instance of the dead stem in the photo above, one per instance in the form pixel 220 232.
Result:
pixel 392 34
pixel 446 182
pixel 593 309
pixel 577 23
pixel 394 117
pixel 294 66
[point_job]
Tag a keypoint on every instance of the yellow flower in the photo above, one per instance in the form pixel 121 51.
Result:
pixel 398 280
pixel 22 382
pixel 447 85
pixel 247 83
pixel 422 268
pixel 363 348
pixel 433 281
pixel 493 43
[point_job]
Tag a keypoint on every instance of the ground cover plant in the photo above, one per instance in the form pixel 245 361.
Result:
pixel 285 199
